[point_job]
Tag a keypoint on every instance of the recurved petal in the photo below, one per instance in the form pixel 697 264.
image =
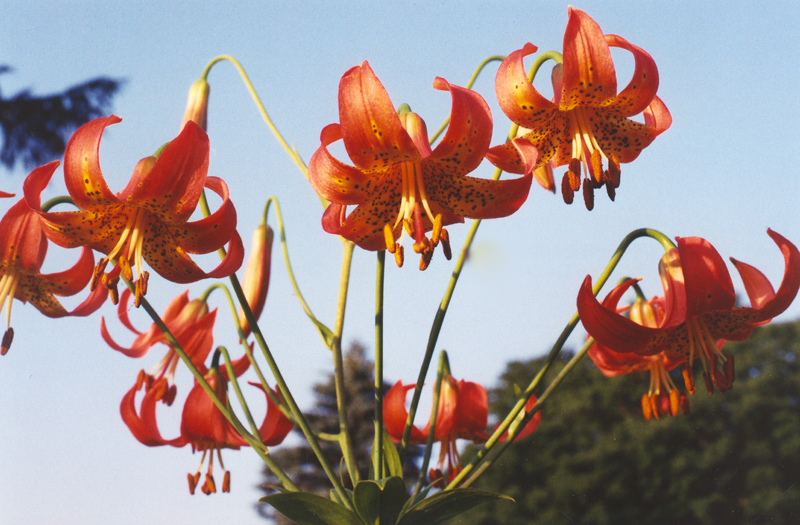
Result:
pixel 23 242
pixel 364 225
pixel 469 132
pixel 531 426
pixel 136 350
pixel 144 427
pixel 172 187
pixel 516 156
pixel 82 173
pixel 708 283
pixel 608 328
pixel 759 290
pixel 473 197
pixel 472 411
pixel 589 76
pixel 332 179
pixel 212 232
pixel 613 364
pixel 642 88
pixel 74 279
pixel 373 135
pixel 395 414
pixel 657 116
pixel 275 426
pixel 517 97
pixel 628 138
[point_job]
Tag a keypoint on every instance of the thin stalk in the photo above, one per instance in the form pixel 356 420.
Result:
pixel 437 394
pixel 378 467
pixel 323 330
pixel 551 357
pixel 261 109
pixel 338 365
pixel 55 201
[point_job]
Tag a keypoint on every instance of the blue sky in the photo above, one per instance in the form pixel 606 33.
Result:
pixel 724 171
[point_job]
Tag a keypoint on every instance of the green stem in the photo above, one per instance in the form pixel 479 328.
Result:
pixel 291 151
pixel 338 365
pixel 55 201
pixel 378 467
pixel 324 331
pixel 472 80
pixel 551 357
pixel 437 394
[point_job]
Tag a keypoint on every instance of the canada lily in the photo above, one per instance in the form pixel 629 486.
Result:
pixel 23 247
pixel 148 219
pixel 397 182
pixel 587 122
pixel 700 311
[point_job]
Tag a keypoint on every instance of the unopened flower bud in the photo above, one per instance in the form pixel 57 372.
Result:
pixel 256 275
pixel 197 105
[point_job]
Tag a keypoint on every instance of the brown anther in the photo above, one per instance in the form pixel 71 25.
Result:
pixel 226 481
pixel 425 259
pixel 398 255
pixel 612 192
pixel 114 294
pixel 125 268
pixel 422 246
pixel 646 410
pixel 437 229
pixel 674 402
pixel 566 189
pixel 597 165
pixel 575 168
pixel 685 404
pixel 97 273
pixel 388 237
pixel 688 378
pixel 444 237
pixel 193 478
pixel 709 383
pixel 729 370
pixel 8 336
pixel 140 379
pixel 144 279
pixel 588 194
pixel 613 172
pixel 409 226
pixel 212 487
pixel 169 395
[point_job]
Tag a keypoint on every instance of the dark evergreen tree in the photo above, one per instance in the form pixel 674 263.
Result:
pixel 735 459
pixel 36 128
pixel 300 463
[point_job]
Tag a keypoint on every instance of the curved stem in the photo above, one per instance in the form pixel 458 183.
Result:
pixel 338 366
pixel 551 357
pixel 291 151
pixel 472 80
pixel 437 393
pixel 378 466
pixel 324 331
pixel 55 201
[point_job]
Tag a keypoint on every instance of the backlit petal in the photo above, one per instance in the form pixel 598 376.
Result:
pixel 473 197
pixel 332 179
pixel 708 283
pixel 640 91
pixel 588 77
pixel 82 173
pixel 517 97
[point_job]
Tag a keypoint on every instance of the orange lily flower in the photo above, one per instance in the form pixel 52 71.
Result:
pixel 148 219
pixel 588 122
pixel 397 182
pixel 700 312
pixel 202 424
pixel 24 247
pixel 462 414
pixel 663 397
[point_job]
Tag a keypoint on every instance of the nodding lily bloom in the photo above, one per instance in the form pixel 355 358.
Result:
pixel 398 184
pixel 202 424
pixel 699 310
pixel 462 414
pixel 588 122
pixel 23 247
pixel 256 277
pixel 663 397
pixel 148 219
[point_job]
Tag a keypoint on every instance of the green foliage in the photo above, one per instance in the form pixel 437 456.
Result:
pixel 735 459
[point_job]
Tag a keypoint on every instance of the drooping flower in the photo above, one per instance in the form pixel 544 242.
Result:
pixel 663 396
pixel 256 277
pixel 397 182
pixel 699 310
pixel 23 249
pixel 202 424
pixel 148 219
pixel 588 121
pixel 462 413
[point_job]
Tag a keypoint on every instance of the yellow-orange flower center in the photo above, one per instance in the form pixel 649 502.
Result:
pixel 8 287
pixel 127 253
pixel 703 346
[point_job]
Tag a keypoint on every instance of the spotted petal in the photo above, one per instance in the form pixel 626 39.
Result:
pixel 589 78
pixel 82 173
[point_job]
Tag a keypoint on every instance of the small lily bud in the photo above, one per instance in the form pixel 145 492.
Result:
pixel 197 105
pixel 256 276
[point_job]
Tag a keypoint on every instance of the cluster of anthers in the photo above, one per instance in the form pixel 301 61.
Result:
pixel 596 177
pixel 664 397
pixel 414 201
pixel 702 344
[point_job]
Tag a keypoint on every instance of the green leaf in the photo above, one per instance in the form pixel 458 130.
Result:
pixel 445 505
pixel 311 509
pixel 380 502
pixel 391 458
